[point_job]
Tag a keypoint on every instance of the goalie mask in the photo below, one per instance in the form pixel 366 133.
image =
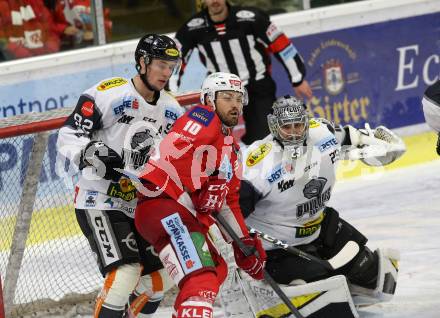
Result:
pixel 289 123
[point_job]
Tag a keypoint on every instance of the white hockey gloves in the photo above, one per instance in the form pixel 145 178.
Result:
pixel 374 147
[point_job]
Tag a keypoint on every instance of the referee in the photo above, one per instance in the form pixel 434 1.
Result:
pixel 239 40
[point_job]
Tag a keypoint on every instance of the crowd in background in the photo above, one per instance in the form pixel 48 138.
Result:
pixel 35 27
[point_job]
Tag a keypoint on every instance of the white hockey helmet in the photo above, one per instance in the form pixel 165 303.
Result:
pixel 221 81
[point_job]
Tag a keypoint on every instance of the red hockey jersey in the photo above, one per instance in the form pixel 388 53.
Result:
pixel 198 146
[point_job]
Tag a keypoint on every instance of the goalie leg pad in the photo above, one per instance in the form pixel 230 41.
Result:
pixel 386 283
pixel 118 285
pixel 328 298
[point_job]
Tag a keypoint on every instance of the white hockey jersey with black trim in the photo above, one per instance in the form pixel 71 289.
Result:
pixel 113 112
pixel 431 106
pixel 283 197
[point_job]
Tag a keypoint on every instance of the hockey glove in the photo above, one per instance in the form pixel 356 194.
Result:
pixel 103 158
pixel 254 263
pixel 375 147
pixel 212 195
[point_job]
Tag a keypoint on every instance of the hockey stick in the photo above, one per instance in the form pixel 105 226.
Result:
pixel 346 254
pixel 343 257
pixel 243 247
pixel 247 251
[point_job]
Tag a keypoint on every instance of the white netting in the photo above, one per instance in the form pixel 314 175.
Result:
pixel 57 260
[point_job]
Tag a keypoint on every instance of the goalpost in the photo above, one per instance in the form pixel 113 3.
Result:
pixel 46 266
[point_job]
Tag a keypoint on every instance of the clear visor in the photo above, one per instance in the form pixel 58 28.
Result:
pixel 164 65
pixel 229 96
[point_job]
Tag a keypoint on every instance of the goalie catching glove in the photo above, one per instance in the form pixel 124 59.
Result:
pixel 253 264
pixel 103 158
pixel 375 147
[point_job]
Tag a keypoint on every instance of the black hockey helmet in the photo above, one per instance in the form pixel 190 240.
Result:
pixel 158 46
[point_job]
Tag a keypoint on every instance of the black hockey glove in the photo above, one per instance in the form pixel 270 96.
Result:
pixel 103 158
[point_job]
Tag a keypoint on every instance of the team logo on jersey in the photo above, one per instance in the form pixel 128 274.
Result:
pixel 283 185
pixel 258 154
pixel 245 15
pixel 170 114
pixel 114 82
pixel 326 143
pixel 182 242
pixel 225 168
pixel 273 32
pixel 314 187
pixel 309 228
pixel 87 108
pixel 124 189
pixel 91 199
pixel 110 202
pixel 125 119
pixel 313 123
pixel 275 174
pixel 141 144
pixel 195 22
pixel 313 190
pixel 288 53
pixel 130 242
pixel 126 103
pixel 201 115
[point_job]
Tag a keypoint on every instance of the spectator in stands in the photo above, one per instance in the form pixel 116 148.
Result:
pixel 5 25
pixel 239 40
pixel 27 27
pixel 74 20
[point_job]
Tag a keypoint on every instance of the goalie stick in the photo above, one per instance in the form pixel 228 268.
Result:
pixel 346 254
pixel 248 251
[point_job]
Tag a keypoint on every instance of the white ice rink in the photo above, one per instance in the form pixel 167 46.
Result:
pixel 399 209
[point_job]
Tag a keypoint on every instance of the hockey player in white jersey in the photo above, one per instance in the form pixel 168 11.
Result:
pixel 116 124
pixel 287 182
pixel 431 109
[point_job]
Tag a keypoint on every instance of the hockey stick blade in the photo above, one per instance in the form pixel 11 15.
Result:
pixel 346 254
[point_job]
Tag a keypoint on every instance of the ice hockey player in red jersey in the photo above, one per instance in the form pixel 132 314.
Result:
pixel 194 175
